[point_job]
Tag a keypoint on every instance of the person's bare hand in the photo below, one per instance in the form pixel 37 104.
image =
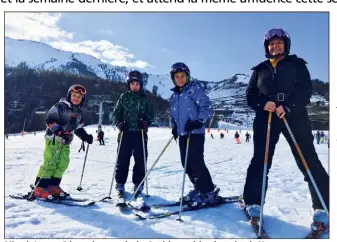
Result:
pixel 280 111
pixel 270 107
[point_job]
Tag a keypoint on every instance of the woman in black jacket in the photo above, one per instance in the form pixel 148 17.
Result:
pixel 282 85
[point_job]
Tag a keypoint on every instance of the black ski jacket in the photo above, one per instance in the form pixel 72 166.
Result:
pixel 289 84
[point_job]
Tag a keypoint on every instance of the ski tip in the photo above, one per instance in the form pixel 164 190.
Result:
pixel 140 216
pixel 121 205
pixel 105 199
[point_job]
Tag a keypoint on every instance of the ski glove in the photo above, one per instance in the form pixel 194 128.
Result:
pixel 192 125
pixel 122 126
pixel 142 124
pixel 88 138
pixel 175 133
pixel 67 136
pixel 55 128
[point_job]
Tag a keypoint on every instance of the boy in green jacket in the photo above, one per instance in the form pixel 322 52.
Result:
pixel 133 113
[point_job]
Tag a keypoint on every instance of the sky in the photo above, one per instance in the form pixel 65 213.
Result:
pixel 215 46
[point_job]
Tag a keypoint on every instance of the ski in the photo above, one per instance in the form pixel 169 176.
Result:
pixel 186 208
pixel 254 222
pixel 177 203
pixel 65 201
pixel 317 231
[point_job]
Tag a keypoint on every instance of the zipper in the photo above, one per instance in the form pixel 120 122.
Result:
pixel 178 109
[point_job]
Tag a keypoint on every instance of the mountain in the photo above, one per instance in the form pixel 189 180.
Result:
pixel 228 95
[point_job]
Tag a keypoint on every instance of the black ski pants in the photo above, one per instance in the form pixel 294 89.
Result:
pixel 101 140
pixel 301 127
pixel 196 168
pixel 131 145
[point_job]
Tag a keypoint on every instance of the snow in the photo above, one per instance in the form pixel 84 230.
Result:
pixel 316 98
pixel 288 211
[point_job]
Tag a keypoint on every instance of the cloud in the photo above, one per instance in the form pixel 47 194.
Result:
pixel 35 26
pixel 164 49
pixel 103 50
pixel 43 27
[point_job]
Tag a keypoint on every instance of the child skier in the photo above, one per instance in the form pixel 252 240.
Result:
pixel 237 138
pixel 190 109
pixel 63 119
pixel 133 113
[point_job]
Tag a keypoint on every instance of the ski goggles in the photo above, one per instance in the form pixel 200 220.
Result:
pixel 134 78
pixel 79 89
pixel 179 67
pixel 276 33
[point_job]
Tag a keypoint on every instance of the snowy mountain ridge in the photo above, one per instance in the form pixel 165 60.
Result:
pixel 226 95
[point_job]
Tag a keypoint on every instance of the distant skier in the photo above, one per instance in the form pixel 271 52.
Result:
pixel 222 135
pixel 190 109
pixel 318 137
pixel 326 139
pixel 322 137
pixel 237 138
pixel 63 119
pixel 133 113
pixel 6 136
pixel 212 136
pixel 34 133
pixel 282 85
pixel 247 137
pixel 100 135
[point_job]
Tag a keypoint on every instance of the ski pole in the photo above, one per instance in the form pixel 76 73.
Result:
pixel 305 164
pixel 183 185
pixel 145 161
pixel 79 188
pixel 113 176
pixel 266 153
pixel 44 172
pixel 148 172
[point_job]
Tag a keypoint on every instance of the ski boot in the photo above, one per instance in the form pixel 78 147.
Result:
pixel 190 196
pixel 58 192
pixel 55 189
pixel 42 193
pixel 204 199
pixel 120 190
pixel 120 193
pixel 321 220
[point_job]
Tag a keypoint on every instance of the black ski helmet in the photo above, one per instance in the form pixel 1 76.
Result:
pixel 134 76
pixel 180 67
pixel 277 33
pixel 77 88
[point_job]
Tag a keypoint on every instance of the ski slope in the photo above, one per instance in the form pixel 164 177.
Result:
pixel 288 211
